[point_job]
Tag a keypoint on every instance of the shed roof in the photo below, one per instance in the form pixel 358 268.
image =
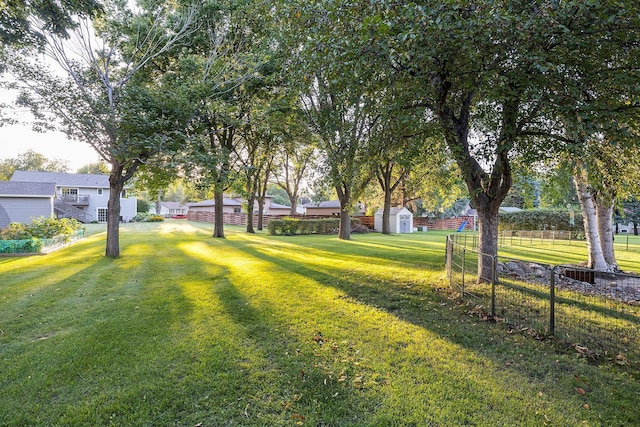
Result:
pixel 63 179
pixel 27 189
pixel 395 211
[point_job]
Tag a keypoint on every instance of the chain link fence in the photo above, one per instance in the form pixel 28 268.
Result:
pixel 598 313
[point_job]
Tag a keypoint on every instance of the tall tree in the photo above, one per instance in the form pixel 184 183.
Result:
pixel 488 72
pixel 338 95
pixel 27 23
pixel 105 91
pixel 222 58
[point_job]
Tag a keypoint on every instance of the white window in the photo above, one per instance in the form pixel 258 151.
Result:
pixel 102 214
pixel 99 191
pixel 65 190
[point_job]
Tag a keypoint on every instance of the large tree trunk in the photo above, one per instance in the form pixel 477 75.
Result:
pixel 488 219
pixel 260 213
pixel 587 206
pixel 294 204
pixel 344 232
pixel 250 202
pixel 344 195
pixel 604 217
pixel 386 213
pixel 218 215
pixel 116 185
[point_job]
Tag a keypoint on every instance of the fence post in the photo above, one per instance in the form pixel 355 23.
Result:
pixel 552 302
pixel 494 280
pixel 463 265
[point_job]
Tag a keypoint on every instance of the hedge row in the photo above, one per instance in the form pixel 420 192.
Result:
pixel 540 219
pixel 293 226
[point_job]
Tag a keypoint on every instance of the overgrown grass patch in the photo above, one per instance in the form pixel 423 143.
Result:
pixel 255 330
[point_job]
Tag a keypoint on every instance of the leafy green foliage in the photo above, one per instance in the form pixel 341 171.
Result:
pixel 297 226
pixel 42 228
pixel 30 161
pixel 540 219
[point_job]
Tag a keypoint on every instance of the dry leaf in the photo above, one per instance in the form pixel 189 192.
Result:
pixel 580 390
pixel 586 406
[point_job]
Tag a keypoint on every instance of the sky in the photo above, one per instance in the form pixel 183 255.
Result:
pixel 16 139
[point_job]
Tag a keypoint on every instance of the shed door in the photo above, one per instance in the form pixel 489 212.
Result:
pixel 405 224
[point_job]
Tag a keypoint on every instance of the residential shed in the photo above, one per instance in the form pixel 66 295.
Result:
pixel 23 201
pixel 400 220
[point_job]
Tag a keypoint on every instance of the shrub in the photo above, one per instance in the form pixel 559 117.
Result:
pixel 539 219
pixel 293 226
pixel 155 218
pixel 41 228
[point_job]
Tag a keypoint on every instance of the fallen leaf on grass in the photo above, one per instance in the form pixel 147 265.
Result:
pixel 581 391
pixel 586 406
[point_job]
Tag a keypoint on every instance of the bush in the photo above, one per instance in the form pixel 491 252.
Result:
pixel 539 219
pixel 31 238
pixel 155 218
pixel 41 228
pixel 147 217
pixel 297 226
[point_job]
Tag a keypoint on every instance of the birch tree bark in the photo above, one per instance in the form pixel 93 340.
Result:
pixel 589 215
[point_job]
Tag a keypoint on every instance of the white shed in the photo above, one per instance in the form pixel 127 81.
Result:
pixel 400 220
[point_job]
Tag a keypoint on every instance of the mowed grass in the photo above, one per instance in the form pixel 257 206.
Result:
pixel 255 330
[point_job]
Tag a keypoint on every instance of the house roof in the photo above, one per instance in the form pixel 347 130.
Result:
pixel 277 206
pixel 27 189
pixel 211 202
pixel 173 205
pixel 63 179
pixel 329 204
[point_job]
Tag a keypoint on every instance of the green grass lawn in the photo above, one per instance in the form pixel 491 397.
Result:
pixel 254 330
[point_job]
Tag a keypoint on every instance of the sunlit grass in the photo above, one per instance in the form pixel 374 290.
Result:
pixel 184 329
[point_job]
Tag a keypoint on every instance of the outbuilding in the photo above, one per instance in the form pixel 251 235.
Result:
pixel 400 220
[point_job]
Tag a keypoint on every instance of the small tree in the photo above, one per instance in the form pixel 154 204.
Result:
pixel 105 91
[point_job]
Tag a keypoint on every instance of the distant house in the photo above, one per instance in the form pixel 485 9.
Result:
pixel 329 207
pixel 169 209
pixel 23 201
pixel 81 196
pixel 270 208
pixel 228 206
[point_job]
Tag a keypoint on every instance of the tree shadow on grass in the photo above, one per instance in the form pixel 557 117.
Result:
pixel 430 311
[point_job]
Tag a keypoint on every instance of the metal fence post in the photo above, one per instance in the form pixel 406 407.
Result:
pixel 552 302
pixel 463 266
pixel 494 280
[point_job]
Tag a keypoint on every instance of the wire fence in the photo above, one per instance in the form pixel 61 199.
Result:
pixel 595 312
pixel 37 245
pixel 621 241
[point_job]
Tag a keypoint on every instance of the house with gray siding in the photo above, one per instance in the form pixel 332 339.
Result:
pixel 81 196
pixel 24 201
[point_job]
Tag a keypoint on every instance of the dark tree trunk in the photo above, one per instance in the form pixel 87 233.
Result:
pixel 250 201
pixel 218 215
pixel 260 213
pixel 386 213
pixel 344 232
pixel 344 196
pixel 294 205
pixel 116 185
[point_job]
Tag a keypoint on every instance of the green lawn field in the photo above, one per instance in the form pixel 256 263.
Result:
pixel 256 330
